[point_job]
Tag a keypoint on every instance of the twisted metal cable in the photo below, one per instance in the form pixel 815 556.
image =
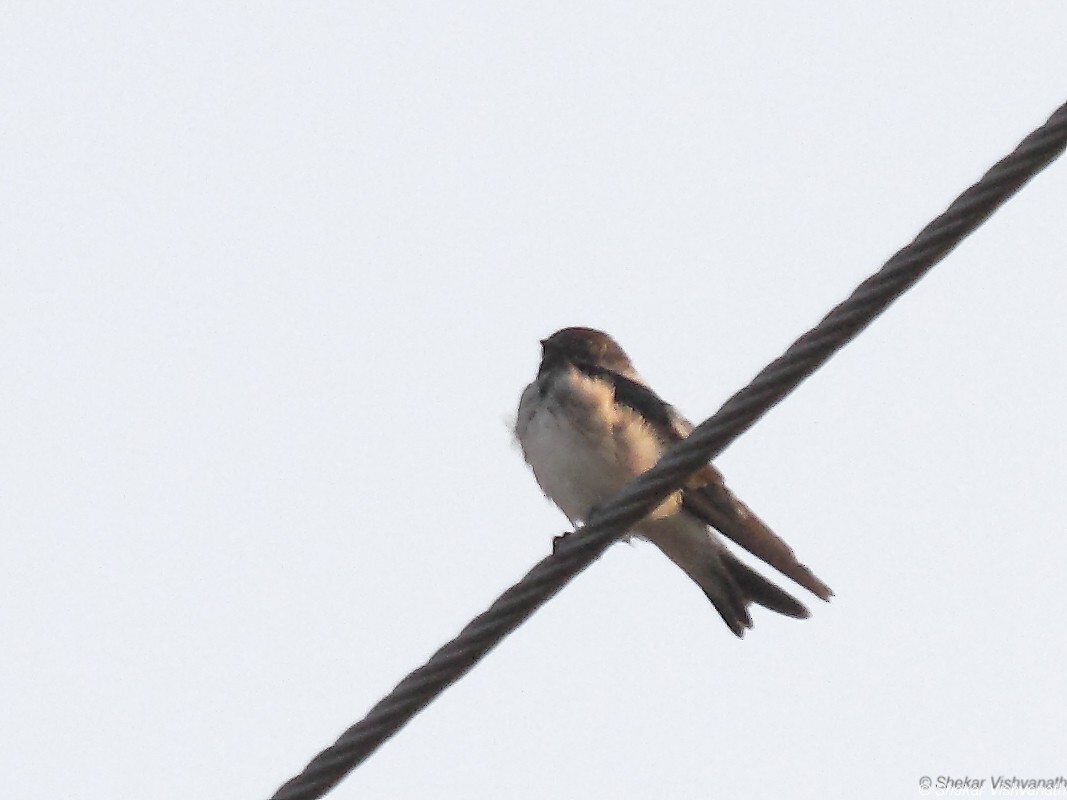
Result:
pixel 737 415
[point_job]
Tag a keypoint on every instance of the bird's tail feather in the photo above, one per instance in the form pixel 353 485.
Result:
pixel 757 589
pixel 728 583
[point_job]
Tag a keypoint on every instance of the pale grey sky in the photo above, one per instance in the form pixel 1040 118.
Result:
pixel 273 276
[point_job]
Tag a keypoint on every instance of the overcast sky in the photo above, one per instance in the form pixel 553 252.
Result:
pixel 272 278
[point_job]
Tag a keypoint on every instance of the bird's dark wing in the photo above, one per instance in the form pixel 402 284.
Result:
pixel 705 495
pixel 660 415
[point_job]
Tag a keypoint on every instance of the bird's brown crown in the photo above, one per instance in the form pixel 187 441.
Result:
pixel 586 346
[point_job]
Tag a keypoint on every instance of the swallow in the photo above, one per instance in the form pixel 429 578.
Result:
pixel 588 425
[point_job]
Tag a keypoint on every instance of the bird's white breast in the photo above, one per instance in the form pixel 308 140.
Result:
pixel 582 446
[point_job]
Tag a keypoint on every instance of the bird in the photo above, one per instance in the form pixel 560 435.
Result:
pixel 588 425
